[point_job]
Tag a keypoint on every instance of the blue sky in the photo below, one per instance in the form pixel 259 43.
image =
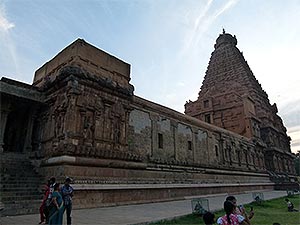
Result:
pixel 167 42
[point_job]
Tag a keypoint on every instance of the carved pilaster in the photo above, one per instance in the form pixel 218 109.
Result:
pixel 154 144
pixel 246 157
pixel 174 130
pixel 230 154
pixel 107 120
pixel 4 115
pixel 71 117
pixel 194 134
pixel 99 118
pixel 126 127
pixel 87 127
pixel 222 150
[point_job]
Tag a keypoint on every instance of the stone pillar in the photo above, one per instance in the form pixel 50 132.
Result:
pixel 4 115
pixel 246 156
pixel 174 128
pixel 230 155
pixel 107 121
pixel 239 157
pixel 154 143
pixel 275 164
pixel 222 150
pixel 28 138
pixel 194 134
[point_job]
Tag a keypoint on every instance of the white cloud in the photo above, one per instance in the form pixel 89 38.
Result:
pixel 5 25
pixel 227 6
pixel 203 22
pixel 8 54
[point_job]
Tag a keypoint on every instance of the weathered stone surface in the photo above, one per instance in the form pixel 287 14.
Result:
pixel 231 98
pixel 83 55
pixel 121 149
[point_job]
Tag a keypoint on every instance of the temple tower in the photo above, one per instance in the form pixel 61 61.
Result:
pixel 231 97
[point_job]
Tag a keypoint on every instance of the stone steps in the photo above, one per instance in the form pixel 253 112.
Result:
pixel 14 187
pixel 12 179
pixel 11 199
pixel 21 207
pixel 18 190
pixel 21 186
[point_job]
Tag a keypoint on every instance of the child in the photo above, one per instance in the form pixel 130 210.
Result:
pixel 209 218
pixel 230 217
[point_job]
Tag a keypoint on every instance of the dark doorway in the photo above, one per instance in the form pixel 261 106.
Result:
pixel 16 129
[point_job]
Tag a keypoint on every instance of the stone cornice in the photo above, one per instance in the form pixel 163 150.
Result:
pixel 73 72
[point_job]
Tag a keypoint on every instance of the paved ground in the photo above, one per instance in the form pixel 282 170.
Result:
pixel 138 214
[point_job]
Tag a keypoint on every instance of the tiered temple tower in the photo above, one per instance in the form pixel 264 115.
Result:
pixel 232 98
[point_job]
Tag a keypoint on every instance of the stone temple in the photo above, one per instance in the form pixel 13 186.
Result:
pixel 80 118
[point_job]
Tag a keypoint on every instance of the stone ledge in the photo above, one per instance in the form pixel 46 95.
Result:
pixel 200 169
pixel 159 186
pixel 81 161
pixel 114 163
pixel 205 196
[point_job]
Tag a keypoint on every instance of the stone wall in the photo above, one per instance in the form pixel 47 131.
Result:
pixel 113 143
pixel 187 141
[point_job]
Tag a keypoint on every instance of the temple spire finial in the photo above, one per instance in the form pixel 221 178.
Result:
pixel 223 30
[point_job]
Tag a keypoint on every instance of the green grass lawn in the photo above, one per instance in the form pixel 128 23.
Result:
pixel 267 213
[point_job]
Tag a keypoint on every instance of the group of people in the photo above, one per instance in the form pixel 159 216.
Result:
pixel 55 202
pixel 235 215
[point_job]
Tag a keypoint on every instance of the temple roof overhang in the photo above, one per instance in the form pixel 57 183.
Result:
pixel 20 90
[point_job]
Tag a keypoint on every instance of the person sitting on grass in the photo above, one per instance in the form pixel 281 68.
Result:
pixel 209 218
pixel 290 206
pixel 230 217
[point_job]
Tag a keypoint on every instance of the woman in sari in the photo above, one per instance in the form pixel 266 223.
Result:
pixel 57 210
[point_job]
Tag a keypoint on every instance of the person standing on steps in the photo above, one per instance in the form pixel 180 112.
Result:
pixel 43 205
pixel 67 194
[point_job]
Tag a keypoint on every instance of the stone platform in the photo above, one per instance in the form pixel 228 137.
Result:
pixel 141 213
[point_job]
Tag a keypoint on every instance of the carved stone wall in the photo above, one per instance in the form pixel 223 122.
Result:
pixel 189 143
pixel 83 120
